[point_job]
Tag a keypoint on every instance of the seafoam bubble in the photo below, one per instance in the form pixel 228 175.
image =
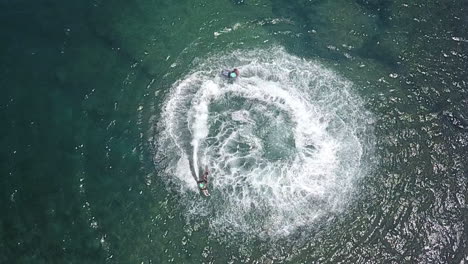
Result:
pixel 284 142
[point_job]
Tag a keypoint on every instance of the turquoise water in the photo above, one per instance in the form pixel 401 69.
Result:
pixel 343 141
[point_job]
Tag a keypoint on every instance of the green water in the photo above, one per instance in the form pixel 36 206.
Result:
pixel 84 84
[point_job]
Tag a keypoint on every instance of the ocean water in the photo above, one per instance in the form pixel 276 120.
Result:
pixel 344 140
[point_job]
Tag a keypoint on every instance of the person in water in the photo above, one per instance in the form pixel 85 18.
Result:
pixel 231 74
pixel 203 183
pixel 234 73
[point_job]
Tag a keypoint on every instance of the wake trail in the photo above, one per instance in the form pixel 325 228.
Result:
pixel 284 142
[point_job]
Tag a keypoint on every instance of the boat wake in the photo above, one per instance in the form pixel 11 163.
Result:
pixel 284 143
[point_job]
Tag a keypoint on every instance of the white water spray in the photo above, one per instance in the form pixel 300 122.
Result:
pixel 283 142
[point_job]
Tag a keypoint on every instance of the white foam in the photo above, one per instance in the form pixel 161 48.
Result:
pixel 284 142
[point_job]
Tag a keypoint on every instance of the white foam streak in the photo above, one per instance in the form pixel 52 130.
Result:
pixel 199 114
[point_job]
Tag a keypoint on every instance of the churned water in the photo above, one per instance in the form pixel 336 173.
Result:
pixel 343 140
pixel 284 143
